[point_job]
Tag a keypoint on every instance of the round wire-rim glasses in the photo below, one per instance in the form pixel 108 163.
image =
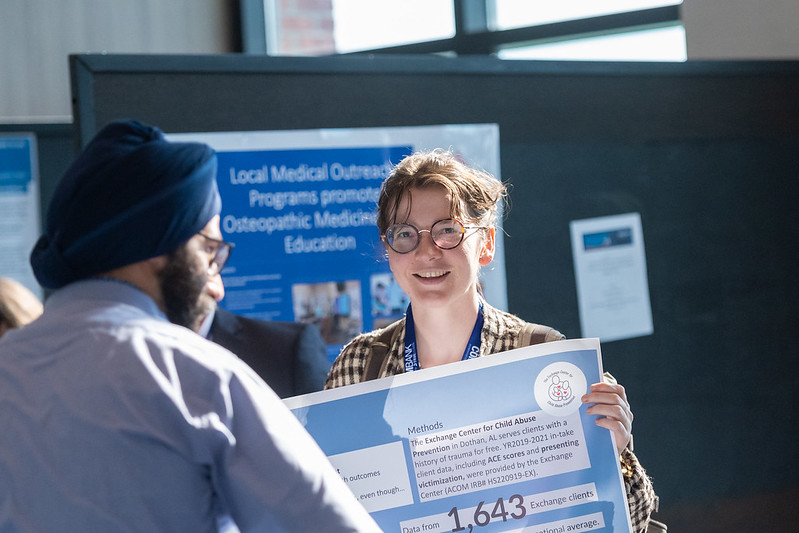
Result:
pixel 221 251
pixel 446 234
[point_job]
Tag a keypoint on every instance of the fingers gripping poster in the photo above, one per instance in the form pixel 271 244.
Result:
pixel 300 208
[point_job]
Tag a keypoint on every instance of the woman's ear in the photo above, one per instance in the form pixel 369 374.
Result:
pixel 487 249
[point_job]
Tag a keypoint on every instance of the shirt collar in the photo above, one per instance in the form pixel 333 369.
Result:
pixel 106 290
pixel 205 327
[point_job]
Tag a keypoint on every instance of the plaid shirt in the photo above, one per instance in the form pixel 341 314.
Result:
pixel 501 332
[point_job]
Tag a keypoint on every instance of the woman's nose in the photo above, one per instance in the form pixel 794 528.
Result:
pixel 426 243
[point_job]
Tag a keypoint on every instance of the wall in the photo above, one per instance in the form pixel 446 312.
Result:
pixel 300 27
pixel 741 29
pixel 36 37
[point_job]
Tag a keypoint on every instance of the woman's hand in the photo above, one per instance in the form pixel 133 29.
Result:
pixel 610 404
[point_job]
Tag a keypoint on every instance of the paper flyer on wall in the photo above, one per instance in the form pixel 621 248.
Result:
pixel 499 443
pixel 610 270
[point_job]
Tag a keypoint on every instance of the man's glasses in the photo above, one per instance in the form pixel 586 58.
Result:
pixel 446 234
pixel 220 250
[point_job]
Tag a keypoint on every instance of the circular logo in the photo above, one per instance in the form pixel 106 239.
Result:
pixel 559 387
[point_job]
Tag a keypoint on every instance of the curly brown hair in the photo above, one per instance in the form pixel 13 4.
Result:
pixel 475 195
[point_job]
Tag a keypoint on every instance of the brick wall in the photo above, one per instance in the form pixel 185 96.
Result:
pixel 305 27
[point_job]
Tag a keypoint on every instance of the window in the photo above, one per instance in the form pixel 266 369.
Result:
pixel 518 13
pixel 660 44
pixel 614 30
pixel 367 24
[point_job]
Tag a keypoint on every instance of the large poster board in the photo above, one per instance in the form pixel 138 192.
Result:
pixel 300 208
pixel 499 443
pixel 705 151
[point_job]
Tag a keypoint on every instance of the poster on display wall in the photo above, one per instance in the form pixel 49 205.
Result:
pixel 612 284
pixel 19 207
pixel 299 205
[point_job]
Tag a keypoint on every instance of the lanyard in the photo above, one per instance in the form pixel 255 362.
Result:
pixel 411 354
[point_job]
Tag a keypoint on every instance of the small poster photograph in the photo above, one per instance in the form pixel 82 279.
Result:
pixel 389 301
pixel 334 307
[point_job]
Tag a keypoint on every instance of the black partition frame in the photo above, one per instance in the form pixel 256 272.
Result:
pixel 706 152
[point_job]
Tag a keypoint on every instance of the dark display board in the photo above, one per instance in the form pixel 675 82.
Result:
pixel 707 153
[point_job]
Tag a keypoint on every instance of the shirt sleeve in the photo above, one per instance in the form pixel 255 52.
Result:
pixel 349 366
pixel 641 498
pixel 268 470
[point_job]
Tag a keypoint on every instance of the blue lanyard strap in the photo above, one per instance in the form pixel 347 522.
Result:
pixel 411 354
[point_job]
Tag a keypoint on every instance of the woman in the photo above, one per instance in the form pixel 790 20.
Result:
pixel 437 218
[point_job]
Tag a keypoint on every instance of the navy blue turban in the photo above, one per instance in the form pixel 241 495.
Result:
pixel 129 196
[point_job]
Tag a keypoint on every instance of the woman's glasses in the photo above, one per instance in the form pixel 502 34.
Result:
pixel 220 250
pixel 446 234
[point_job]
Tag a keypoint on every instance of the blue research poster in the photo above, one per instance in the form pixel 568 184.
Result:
pixel 499 443
pixel 307 248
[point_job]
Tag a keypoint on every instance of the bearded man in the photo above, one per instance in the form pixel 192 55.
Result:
pixel 113 418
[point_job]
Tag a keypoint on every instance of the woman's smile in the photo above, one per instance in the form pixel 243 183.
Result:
pixel 433 275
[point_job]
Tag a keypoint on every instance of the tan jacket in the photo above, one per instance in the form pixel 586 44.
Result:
pixel 501 332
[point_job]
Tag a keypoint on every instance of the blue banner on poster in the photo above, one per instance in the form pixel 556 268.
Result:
pixel 16 171
pixel 499 443
pixel 307 248
pixel 608 239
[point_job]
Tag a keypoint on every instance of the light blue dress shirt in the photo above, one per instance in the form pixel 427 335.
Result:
pixel 114 419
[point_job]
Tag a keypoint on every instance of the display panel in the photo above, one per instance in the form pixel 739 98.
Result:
pixel 705 152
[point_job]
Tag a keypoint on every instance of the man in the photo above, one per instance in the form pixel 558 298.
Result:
pixel 291 357
pixel 114 419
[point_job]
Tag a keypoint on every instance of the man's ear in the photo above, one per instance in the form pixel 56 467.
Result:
pixel 156 263
pixel 487 249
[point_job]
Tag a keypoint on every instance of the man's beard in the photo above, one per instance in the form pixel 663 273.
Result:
pixel 182 285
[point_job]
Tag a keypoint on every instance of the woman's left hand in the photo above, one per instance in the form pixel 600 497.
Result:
pixel 613 410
